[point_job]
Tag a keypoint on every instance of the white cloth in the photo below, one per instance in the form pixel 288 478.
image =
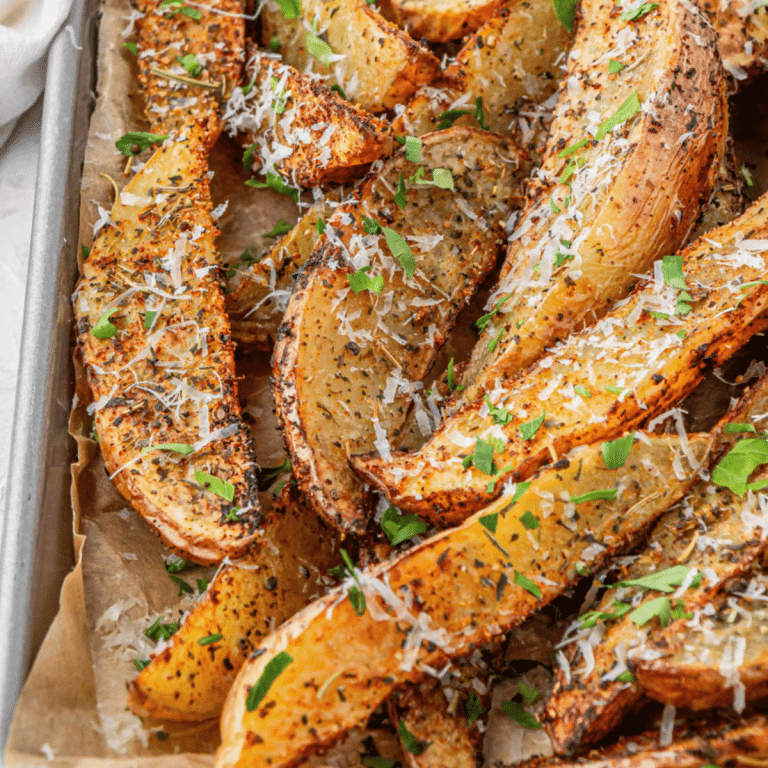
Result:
pixel 26 30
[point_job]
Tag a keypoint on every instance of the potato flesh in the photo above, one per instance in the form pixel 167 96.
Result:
pixel 440 20
pixel 644 361
pixel 168 380
pixel 333 649
pixel 349 364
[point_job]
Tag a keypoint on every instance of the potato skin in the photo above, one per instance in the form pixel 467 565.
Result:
pixel 167 378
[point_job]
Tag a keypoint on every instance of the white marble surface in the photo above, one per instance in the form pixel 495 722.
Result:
pixel 18 176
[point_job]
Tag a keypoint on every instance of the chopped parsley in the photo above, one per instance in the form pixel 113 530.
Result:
pixel 516 711
pixel 660 608
pixel 500 416
pixel 746 174
pixel 529 520
pixel 275 45
pixel 482 457
pixel 371 226
pixel 179 6
pixel 528 692
pixel 400 194
pixel 210 639
pixel 602 494
pixel 215 485
pixel 400 250
pixel 614 67
pixel 375 761
pixel 523 581
pixel 181 448
pixel 131 46
pixel 190 63
pixel 175 564
pixel 278 105
pixel 272 670
pixel 737 427
pixel 625 677
pixel 451 378
pixel 473 707
pixel 529 428
pixel 141 664
pixel 482 322
pixel 409 741
pixel 159 631
pixel 626 111
pixel 336 88
pixel 103 328
pixel 183 586
pixel 582 391
pixel 360 281
pixel 639 12
pixel 318 49
pixel 281 228
pixel 615 452
pixel 494 342
pixel 413 147
pixel 450 116
pixel 590 618
pixel 356 596
pixel 273 181
pixel 490 522
pixel 291 9
pixel 135 142
pixel 399 528
pixel 739 463
pixel 568 151
pixel 662 581
pixel 565 10
pixel 442 178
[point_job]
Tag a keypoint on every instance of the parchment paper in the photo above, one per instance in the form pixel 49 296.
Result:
pixel 72 709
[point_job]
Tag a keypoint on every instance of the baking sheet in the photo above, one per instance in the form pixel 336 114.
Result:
pixel 72 711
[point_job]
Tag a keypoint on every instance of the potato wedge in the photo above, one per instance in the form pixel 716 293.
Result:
pixel 515 55
pixel 380 65
pixel 154 338
pixel 602 209
pixel 285 570
pixel 585 707
pixel 258 292
pixel 742 29
pixel 175 96
pixel 348 366
pixel 598 383
pixel 721 662
pixel 440 20
pixel 298 127
pixel 696 744
pixel 441 599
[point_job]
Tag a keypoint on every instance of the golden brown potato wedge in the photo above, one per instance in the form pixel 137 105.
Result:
pixel 585 706
pixel 636 362
pixel 697 744
pixel 371 59
pixel 298 127
pixel 742 29
pixel 630 158
pixel 155 342
pixel 440 20
pixel 515 55
pixel 285 570
pixel 440 599
pixel 349 365
pixel 175 95
pixel 258 292
pixel 721 661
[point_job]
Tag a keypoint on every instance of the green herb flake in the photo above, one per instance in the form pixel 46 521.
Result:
pixel 449 117
pixel 320 226
pixel 582 391
pixel 409 741
pixel 482 458
pixel 291 9
pixel 568 151
pixel 356 596
pixel 400 250
pixel 103 328
pixel 278 105
pixel 141 664
pixel 371 226
pixel 413 147
pixel 529 428
pixel 565 10
pixel 336 88
pixel 273 181
pixel 515 710
pixel 528 692
pixel 181 448
pixel 523 581
pixel 318 49
pixel 400 195
pixel 658 607
pixel 149 318
pixel 281 228
pixel 746 174
pixel 626 111
pixel 399 528
pixel 662 581
pixel 582 569
pixel 131 46
pixel 739 463
pixel 374 761
pixel 614 67
pixel 442 178
pixel 735 427
pixel 614 390
pixel 490 522
pixel 210 639
pixel 175 564
pixel 639 12
pixel 529 520
pixel 590 618
pixel 272 670
pixel 625 677
pixel 483 320
pixel 603 494
pixel 552 205
pixel 451 378
pixel 215 485
pixel 183 586
pixel 520 489
pixel 202 585
pixel 672 272
pixel 178 6
pixel 479 113
pixel 360 281
pixel 135 142
pixel 274 44
pixel 159 631
pixel 615 452
pixel 190 63
pixel 500 416
pixel 473 707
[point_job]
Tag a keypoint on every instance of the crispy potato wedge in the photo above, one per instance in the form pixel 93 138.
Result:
pixel 285 570
pixel 371 59
pixel 584 708
pixel 631 365
pixel 513 56
pixel 258 292
pixel 298 127
pixel 348 366
pixel 602 209
pixel 442 598
pixel 722 661
pixel 155 342
pixel 440 20
pixel 172 97
pixel 696 745
pixel 742 29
